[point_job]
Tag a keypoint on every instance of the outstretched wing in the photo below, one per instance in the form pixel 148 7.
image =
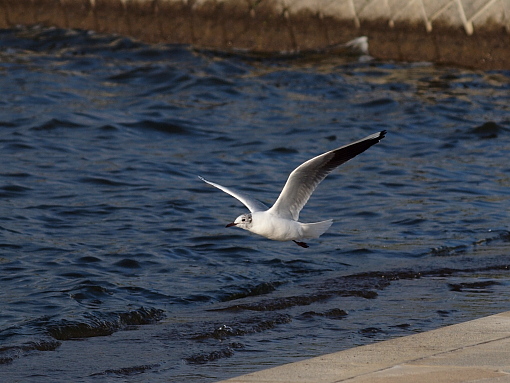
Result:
pixel 305 178
pixel 252 204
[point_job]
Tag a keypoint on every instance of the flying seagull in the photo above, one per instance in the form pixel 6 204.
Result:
pixel 280 222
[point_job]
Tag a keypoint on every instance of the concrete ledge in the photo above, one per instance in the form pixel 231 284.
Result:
pixel 477 350
pixel 469 33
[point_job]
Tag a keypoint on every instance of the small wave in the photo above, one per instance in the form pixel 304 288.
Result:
pixel 102 181
pixel 260 289
pixel 17 174
pixel 371 332
pixel 281 150
pixel 380 103
pixel 100 324
pixel 17 146
pixel 128 263
pixel 332 314
pixel 487 130
pixel 363 285
pixel 11 191
pixel 202 358
pixel 275 304
pixel 55 123
pixel 448 251
pixel 474 287
pixel 15 188
pixel 10 246
pixel 127 371
pixel 410 221
pixel 11 353
pixel 162 126
pixel 242 327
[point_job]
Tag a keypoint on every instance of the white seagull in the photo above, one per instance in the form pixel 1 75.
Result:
pixel 280 222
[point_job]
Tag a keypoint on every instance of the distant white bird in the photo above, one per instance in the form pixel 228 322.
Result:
pixel 280 222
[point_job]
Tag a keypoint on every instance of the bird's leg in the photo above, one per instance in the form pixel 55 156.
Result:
pixel 302 244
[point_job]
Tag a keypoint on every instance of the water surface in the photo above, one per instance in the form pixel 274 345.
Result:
pixel 114 260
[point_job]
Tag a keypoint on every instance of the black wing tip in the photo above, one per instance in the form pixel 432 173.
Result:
pixel 382 134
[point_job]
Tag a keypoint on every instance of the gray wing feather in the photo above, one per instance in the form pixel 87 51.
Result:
pixel 305 178
pixel 252 204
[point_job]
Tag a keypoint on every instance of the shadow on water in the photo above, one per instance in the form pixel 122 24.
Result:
pixel 114 255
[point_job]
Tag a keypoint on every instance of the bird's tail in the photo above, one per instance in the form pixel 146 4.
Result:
pixel 316 229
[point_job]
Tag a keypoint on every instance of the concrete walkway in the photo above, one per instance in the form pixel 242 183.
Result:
pixel 474 351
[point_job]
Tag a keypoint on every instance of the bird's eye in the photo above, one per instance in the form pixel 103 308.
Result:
pixel 244 219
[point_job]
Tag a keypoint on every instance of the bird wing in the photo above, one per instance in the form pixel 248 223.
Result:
pixel 252 204
pixel 305 178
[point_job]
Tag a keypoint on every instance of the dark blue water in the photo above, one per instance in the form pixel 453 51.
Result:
pixel 114 260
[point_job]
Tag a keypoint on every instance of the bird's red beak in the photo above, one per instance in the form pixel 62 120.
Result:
pixel 231 224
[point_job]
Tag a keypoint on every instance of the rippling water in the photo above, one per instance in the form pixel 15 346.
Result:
pixel 115 263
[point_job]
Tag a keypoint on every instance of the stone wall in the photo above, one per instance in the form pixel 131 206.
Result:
pixel 469 33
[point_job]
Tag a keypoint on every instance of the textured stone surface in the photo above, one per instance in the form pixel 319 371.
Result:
pixel 472 33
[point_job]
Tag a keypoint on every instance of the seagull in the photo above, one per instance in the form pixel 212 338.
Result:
pixel 280 222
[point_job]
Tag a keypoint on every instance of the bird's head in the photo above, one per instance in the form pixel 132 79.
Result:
pixel 243 221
